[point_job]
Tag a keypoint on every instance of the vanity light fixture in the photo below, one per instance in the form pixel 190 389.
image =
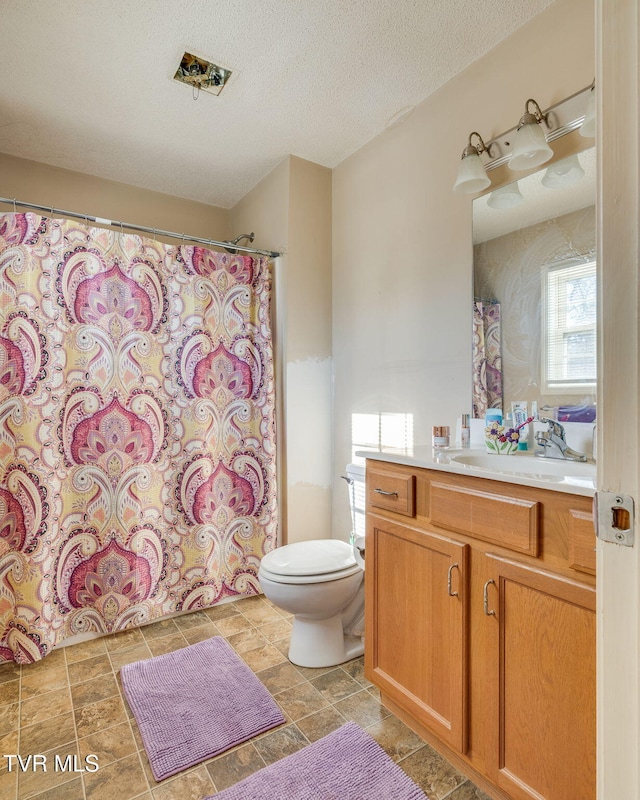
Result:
pixel 588 127
pixel 563 173
pixel 507 196
pixel 507 148
pixel 530 148
pixel 472 177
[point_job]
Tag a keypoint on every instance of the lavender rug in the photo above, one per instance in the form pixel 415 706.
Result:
pixel 194 703
pixel 345 765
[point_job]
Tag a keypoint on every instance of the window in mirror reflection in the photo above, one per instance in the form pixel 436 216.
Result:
pixel 569 293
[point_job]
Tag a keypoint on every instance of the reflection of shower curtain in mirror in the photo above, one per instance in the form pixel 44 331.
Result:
pixel 487 357
pixel 137 430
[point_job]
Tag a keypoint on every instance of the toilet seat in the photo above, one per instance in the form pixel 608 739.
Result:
pixel 316 561
pixel 305 579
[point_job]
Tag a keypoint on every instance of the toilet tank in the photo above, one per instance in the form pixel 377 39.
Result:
pixel 355 485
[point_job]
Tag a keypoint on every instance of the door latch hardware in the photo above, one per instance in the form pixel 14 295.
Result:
pixel 615 518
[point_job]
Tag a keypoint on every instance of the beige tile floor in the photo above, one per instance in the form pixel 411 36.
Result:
pixel 71 703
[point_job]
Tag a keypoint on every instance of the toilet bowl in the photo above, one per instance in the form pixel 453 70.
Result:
pixel 320 583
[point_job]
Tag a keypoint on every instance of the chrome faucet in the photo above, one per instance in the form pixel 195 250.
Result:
pixel 554 443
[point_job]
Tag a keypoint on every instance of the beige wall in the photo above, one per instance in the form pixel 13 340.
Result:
pixel 290 211
pixel 44 185
pixel 402 251
pixel 308 352
pixel 264 211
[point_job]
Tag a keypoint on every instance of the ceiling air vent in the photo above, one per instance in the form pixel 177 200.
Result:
pixel 202 75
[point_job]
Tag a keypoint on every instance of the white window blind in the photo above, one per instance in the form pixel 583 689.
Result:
pixel 392 432
pixel 570 310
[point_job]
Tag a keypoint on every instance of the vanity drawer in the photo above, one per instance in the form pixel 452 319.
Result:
pixel 391 491
pixel 582 542
pixel 507 521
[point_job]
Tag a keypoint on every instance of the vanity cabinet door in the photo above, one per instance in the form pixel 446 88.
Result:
pixel 416 624
pixel 542 667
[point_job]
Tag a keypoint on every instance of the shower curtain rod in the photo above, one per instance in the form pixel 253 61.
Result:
pixel 154 231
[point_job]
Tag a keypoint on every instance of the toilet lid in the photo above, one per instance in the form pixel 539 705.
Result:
pixel 307 580
pixel 317 557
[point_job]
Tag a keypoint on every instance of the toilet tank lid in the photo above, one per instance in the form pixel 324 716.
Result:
pixel 356 471
pixel 316 557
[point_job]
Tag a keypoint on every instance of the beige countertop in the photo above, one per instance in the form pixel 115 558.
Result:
pixel 523 468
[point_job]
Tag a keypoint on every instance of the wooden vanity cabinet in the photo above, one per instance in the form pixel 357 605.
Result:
pixel 542 667
pixel 487 651
pixel 418 605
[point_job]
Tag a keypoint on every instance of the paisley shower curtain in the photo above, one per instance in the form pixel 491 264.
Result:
pixel 137 430
pixel 487 357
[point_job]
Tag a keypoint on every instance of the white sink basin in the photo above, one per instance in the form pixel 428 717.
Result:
pixel 527 464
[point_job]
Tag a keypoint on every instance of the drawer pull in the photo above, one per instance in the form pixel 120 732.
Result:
pixel 449 592
pixel 386 494
pixel 486 598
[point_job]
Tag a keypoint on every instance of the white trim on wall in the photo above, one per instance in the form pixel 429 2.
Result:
pixel 617 59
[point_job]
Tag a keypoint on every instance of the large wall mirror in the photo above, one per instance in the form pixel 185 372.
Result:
pixel 535 289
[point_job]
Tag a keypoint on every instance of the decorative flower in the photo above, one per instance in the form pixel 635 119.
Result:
pixel 499 439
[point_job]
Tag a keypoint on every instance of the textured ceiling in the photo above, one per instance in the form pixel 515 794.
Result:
pixel 88 85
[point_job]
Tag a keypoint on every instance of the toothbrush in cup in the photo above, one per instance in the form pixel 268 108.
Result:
pixel 522 424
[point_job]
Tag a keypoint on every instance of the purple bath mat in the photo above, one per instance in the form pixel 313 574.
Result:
pixel 194 703
pixel 345 765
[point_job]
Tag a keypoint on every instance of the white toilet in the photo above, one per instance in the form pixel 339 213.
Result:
pixel 320 582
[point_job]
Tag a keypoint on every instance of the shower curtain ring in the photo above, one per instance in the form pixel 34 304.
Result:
pixel 14 206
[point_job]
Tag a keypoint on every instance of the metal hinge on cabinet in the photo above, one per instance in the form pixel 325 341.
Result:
pixel 614 516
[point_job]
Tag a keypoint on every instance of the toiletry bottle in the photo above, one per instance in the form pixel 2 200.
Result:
pixel 441 438
pixel 520 412
pixel 492 419
pixel 493 415
pixel 465 431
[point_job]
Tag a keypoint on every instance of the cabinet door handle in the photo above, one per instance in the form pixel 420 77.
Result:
pixel 449 592
pixel 486 598
pixel 386 494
